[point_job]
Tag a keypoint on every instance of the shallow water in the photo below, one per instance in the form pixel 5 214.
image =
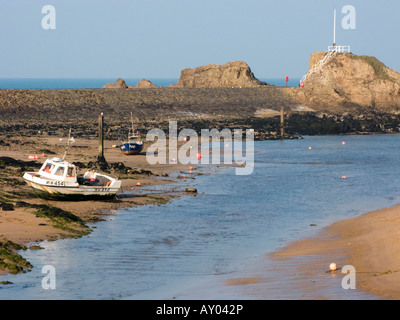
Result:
pixel 187 249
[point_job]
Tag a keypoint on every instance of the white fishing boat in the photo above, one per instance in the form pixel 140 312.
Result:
pixel 57 179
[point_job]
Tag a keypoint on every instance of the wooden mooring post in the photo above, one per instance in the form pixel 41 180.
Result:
pixel 100 157
pixel 282 122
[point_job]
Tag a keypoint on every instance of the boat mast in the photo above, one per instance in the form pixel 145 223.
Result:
pixel 66 149
pixel 132 129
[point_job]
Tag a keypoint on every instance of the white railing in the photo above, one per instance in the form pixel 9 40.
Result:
pixel 339 49
pixel 319 65
pixel 331 51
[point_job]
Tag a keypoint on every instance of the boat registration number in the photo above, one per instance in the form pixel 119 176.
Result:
pixel 55 183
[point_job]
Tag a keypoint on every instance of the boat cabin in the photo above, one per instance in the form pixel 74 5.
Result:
pixel 135 139
pixel 58 169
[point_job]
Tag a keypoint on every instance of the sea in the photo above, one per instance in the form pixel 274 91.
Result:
pixel 89 83
pixel 191 247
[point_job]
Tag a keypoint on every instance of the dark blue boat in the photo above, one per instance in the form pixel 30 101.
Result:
pixel 134 144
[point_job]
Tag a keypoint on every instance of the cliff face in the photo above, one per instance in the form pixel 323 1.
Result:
pixel 231 74
pixel 348 79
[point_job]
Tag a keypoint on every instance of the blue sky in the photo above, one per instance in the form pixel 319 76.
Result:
pixel 159 38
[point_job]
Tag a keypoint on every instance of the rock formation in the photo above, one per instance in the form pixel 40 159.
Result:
pixel 231 74
pixel 348 79
pixel 145 84
pixel 120 83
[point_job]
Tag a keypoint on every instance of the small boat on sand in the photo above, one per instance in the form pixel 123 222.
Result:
pixel 57 179
pixel 134 144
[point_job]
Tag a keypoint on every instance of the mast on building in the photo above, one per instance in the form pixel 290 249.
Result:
pixel 332 50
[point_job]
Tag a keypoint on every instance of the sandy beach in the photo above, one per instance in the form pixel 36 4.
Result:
pixel 369 243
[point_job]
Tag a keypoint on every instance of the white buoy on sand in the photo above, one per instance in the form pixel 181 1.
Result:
pixel 333 266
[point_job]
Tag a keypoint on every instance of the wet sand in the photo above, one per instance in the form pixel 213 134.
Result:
pixel 369 243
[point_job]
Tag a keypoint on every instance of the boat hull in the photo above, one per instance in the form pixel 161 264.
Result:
pixel 80 193
pixel 130 148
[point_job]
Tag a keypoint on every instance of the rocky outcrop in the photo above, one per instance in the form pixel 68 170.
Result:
pixel 120 83
pixel 231 74
pixel 145 84
pixel 352 80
